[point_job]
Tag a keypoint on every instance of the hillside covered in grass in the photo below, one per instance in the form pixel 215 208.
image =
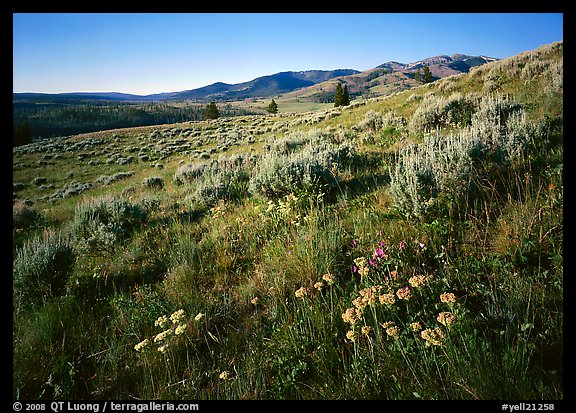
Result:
pixel 407 247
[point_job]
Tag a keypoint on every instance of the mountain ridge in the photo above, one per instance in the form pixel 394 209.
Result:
pixel 286 82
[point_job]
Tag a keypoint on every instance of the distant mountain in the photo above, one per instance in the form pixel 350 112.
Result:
pixel 264 86
pixel 261 87
pixel 315 85
pixel 390 77
pixel 440 66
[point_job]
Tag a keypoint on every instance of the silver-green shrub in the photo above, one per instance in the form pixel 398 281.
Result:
pixel 153 182
pixel 187 173
pixel 447 166
pixel 435 112
pixel 308 166
pixel 101 224
pixel 41 268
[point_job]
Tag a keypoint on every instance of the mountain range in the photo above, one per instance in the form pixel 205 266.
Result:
pixel 316 84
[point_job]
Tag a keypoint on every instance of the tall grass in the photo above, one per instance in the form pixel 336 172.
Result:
pixel 310 264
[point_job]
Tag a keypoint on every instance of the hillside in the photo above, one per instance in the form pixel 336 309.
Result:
pixel 408 246
pixel 390 77
pixel 263 86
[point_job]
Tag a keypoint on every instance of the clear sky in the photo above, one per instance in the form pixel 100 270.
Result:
pixel 146 53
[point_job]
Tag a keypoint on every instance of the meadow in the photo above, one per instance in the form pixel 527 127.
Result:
pixel 406 247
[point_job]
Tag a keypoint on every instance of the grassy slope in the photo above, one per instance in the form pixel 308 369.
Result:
pixel 240 263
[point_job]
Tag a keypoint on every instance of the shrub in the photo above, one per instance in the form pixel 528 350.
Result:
pixel 100 224
pixel 309 168
pixel 187 173
pixel 435 112
pixel 153 182
pixel 41 268
pixel 449 166
pixel 24 215
pixel 224 179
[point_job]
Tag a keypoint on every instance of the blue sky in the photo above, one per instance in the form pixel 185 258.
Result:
pixel 145 53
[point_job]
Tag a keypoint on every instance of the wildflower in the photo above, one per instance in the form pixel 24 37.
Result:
pixel 198 317
pixel 393 331
pixel 163 348
pixel 404 293
pixel 446 318
pixel 224 375
pixel 393 273
pixel 387 324
pixel 365 330
pixel 379 253
pixel 180 329
pixel 368 295
pixel 416 326
pixel 417 280
pixel 447 298
pixel 161 322
pixel 254 300
pixel 319 285
pixel 161 336
pixel 387 299
pixel 359 303
pixel 329 278
pixel 354 242
pixel 350 335
pixel 351 315
pixel 141 345
pixel 403 245
pixel 177 316
pixel 301 292
pixel 433 336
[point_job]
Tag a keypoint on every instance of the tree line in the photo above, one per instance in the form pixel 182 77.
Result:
pixel 42 120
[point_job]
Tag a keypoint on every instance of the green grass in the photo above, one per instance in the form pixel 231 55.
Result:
pixel 321 293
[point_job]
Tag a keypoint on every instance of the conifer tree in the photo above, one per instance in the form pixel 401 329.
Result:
pixel 418 75
pixel 345 96
pixel 211 111
pixel 272 107
pixel 427 77
pixel 338 96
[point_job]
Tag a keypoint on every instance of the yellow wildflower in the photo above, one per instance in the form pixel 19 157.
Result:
pixel 368 295
pixel 417 280
pixel 446 318
pixel 329 278
pixel 141 345
pixel 415 326
pixel 161 336
pixel 404 293
pixel 301 292
pixel 393 331
pixel 387 299
pixel 224 375
pixel 177 316
pixel 163 348
pixel 447 298
pixel 319 285
pixel 433 336
pixel 351 315
pixel 387 324
pixel 198 317
pixel 350 335
pixel 161 322
pixel 180 329
pixel 366 330
pixel 254 300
